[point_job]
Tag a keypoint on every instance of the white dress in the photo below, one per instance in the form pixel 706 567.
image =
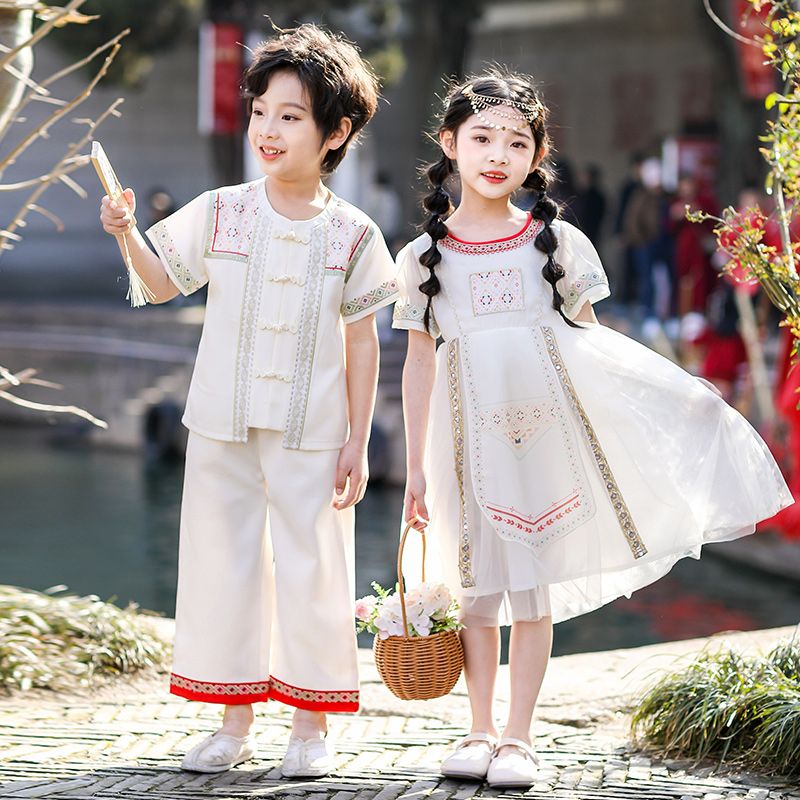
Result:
pixel 566 467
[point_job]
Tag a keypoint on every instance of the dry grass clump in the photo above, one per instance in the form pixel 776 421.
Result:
pixel 58 641
pixel 729 706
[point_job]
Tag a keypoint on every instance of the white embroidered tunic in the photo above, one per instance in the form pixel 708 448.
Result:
pixel 569 458
pixel 279 293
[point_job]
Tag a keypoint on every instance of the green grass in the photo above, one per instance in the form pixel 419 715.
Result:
pixel 59 641
pixel 730 707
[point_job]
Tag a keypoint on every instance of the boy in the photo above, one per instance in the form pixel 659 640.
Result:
pixel 276 421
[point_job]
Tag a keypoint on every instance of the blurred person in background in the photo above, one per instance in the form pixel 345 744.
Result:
pixel 590 204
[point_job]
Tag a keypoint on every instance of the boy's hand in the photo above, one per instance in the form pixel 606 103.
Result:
pixel 351 472
pixel 414 507
pixel 117 217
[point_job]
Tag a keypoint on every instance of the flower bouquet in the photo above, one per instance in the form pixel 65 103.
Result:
pixel 417 650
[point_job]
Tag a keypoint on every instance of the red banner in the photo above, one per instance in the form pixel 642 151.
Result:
pixel 220 63
pixel 758 78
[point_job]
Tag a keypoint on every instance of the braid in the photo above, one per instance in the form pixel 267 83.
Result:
pixel 546 210
pixel 437 204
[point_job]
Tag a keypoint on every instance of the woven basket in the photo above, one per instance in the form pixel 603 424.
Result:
pixel 418 667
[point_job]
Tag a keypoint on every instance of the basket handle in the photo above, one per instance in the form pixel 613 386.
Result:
pixel 400 580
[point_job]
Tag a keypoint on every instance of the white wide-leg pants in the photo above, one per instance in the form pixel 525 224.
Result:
pixel 265 577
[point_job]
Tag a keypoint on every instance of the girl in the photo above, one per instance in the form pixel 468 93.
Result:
pixel 565 465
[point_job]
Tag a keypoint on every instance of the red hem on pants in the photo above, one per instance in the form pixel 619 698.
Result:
pixel 271 689
pixel 231 694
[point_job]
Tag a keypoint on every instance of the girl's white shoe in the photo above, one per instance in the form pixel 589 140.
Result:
pixel 308 758
pixel 513 768
pixel 219 752
pixel 471 757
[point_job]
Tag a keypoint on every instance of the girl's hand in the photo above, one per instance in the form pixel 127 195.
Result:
pixel 351 472
pixel 117 218
pixel 414 507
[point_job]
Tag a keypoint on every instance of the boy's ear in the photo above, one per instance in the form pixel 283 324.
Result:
pixel 447 140
pixel 339 136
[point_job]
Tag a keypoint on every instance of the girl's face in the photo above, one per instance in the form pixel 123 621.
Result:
pixel 493 163
pixel 283 134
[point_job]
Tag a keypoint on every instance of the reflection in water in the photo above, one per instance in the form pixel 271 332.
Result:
pixel 105 523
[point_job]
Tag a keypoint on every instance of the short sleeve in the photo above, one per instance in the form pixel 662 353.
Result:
pixel 409 311
pixel 369 281
pixel 585 280
pixel 179 240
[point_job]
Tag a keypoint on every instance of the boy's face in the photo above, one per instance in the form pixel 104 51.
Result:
pixel 491 162
pixel 282 132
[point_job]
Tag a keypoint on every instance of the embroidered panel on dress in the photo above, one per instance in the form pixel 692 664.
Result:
pixel 501 246
pixel 248 323
pixel 549 529
pixel 306 340
pixel 175 263
pixel 231 223
pixel 582 284
pixel 624 518
pixel 496 291
pixel 457 422
pixel 519 423
pixel 535 527
pixel 369 299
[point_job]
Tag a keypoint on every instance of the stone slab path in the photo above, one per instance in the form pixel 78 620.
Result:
pixel 126 741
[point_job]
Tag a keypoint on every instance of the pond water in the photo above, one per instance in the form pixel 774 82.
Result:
pixel 106 523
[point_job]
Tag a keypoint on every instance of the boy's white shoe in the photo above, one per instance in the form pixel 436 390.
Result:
pixel 471 757
pixel 308 758
pixel 514 768
pixel 219 752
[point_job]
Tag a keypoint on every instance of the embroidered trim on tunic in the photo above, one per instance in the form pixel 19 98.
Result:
pixel 500 246
pixel 580 286
pixel 272 689
pixel 175 263
pixel 358 248
pixel 496 291
pixel 344 234
pixel 251 300
pixel 624 518
pixel 457 421
pixel 306 341
pixel 365 301
pixel 230 228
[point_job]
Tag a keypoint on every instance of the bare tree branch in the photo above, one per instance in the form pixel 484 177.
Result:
pixel 42 31
pixel 42 130
pixel 19 220
pixel 720 23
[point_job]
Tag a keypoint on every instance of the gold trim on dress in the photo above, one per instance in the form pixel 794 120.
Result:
pixel 457 420
pixel 626 522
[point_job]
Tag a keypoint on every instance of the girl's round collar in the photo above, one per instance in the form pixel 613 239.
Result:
pixel 527 233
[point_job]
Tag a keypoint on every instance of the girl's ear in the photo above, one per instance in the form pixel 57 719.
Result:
pixel 339 136
pixel 540 156
pixel 447 140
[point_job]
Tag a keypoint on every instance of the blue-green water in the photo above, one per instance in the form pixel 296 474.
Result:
pixel 106 523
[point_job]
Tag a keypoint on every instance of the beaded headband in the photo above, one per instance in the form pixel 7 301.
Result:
pixel 528 111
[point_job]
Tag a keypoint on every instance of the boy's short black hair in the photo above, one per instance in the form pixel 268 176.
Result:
pixel 338 81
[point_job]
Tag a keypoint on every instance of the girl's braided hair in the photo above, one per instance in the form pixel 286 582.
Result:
pixel 504 86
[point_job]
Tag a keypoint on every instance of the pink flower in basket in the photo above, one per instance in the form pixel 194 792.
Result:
pixel 430 608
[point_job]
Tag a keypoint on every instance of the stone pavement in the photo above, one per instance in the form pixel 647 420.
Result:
pixel 124 741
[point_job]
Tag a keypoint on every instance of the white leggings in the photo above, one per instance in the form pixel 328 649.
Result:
pixel 504 608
